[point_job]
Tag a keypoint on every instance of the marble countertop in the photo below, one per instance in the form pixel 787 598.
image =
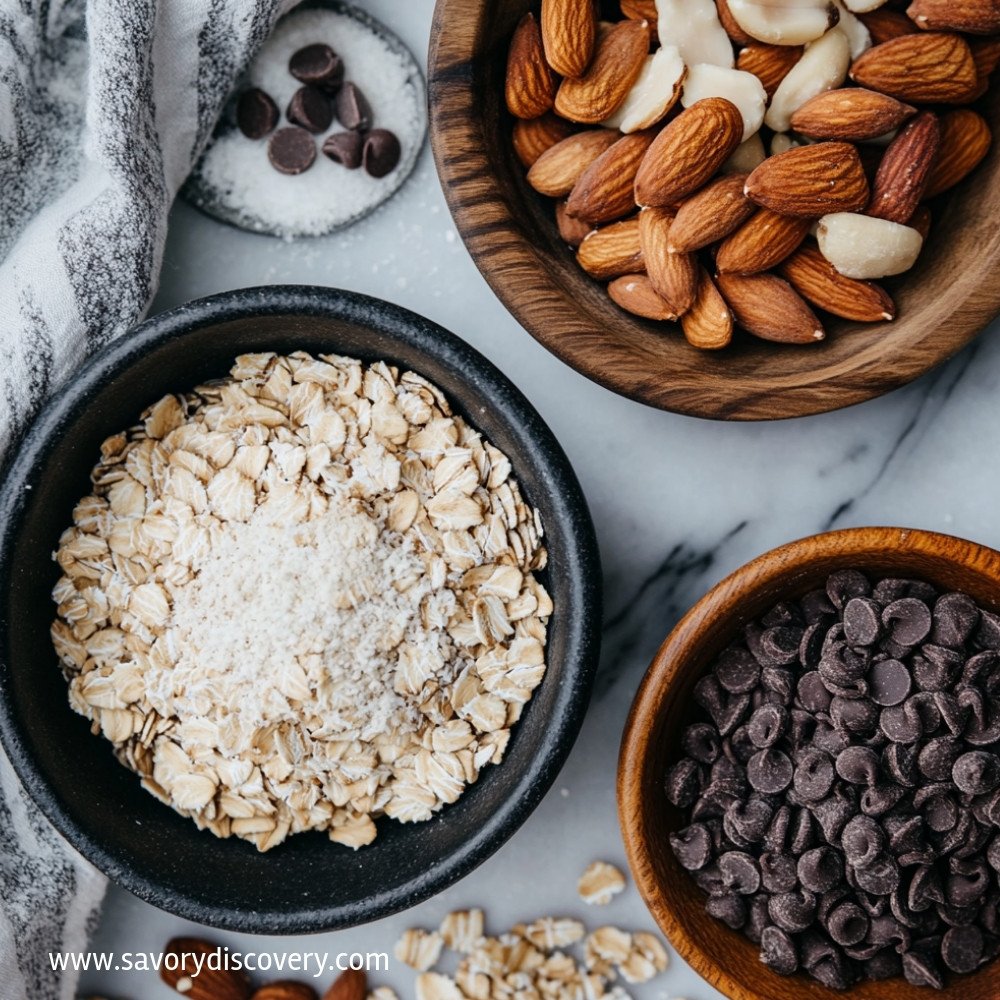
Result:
pixel 678 504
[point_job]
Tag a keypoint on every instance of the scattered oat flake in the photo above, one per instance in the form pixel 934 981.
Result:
pixel 435 986
pixel 419 949
pixel 600 883
pixel 462 930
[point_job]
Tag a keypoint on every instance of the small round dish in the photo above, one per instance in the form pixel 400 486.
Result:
pixel 663 707
pixel 233 181
pixel 307 884
pixel 944 302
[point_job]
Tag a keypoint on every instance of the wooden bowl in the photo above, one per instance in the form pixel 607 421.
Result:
pixel 510 231
pixel 663 707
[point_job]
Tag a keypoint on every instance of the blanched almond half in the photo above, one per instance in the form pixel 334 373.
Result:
pixel 863 6
pixel 796 24
pixel 693 26
pixel 823 67
pixel 742 89
pixel 653 94
pixel 863 247
pixel 857 34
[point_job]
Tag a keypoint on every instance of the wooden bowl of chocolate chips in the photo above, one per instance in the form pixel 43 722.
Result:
pixel 809 780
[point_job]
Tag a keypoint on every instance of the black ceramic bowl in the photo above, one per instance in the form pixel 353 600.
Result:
pixel 308 883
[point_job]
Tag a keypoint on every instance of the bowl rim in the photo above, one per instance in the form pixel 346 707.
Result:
pixel 770 567
pixel 563 495
pixel 510 263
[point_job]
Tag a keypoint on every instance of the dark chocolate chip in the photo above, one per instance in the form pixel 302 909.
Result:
pixel 956 617
pixel 729 908
pixel 317 64
pixel 845 584
pixel 353 109
pixel 814 775
pixel 256 113
pixel 900 762
pixel 793 911
pixel 811 646
pixel 767 725
pixel 880 877
pixel 817 608
pixel 781 644
pixel 381 152
pixel 908 621
pixel 310 108
pixel 692 846
pixel 757 917
pixel 988 633
pixel 847 924
pixel 683 783
pixel 747 822
pixel 833 813
pixel 291 150
pixel 938 756
pixel 701 742
pixel 863 841
pixel 769 771
pixel 921 969
pixel 854 715
pixel 884 965
pixel 862 623
pixel 803 835
pixel 977 772
pixel 740 872
pixel 344 148
pixel 962 948
pixel 737 671
pixel 778 872
pixel 889 682
pixel 777 951
pixel 899 725
pixel 858 765
pixel 820 869
pixel 879 799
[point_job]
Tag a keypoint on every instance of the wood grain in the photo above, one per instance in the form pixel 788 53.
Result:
pixel 511 233
pixel 663 707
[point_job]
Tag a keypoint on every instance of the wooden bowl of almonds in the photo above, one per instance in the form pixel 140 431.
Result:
pixel 735 209
pixel 322 617
pixel 773 888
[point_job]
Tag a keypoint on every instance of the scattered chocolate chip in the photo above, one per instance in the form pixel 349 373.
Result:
pixel 381 152
pixel 863 841
pixel 777 951
pixel 908 621
pixel 344 148
pixel 256 113
pixel 353 110
pixel 318 65
pixel 814 775
pixel 311 109
pixel 977 772
pixel 769 771
pixel 889 682
pixel 692 846
pixel 862 621
pixel 291 150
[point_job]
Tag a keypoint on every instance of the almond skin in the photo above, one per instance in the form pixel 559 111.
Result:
pixel 558 169
pixel 820 283
pixel 533 137
pixel 811 181
pixel 618 59
pixel 612 251
pixel 768 307
pixel 569 30
pixel 736 34
pixel 717 210
pixel 688 151
pixel 640 10
pixel 905 169
pixel 708 324
pixel 635 294
pixel 769 63
pixel 209 985
pixel 673 275
pixel 763 241
pixel 977 17
pixel 851 114
pixel 884 24
pixel 573 231
pixel 606 189
pixel 349 985
pixel 286 989
pixel 531 86
pixel 924 68
pixel 965 141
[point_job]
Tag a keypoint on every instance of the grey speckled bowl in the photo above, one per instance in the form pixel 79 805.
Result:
pixel 308 883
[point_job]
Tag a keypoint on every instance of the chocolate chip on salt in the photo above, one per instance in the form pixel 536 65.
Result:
pixel 256 113
pixel 291 150
pixel 344 148
pixel 310 108
pixel 381 152
pixel 353 110
pixel 319 65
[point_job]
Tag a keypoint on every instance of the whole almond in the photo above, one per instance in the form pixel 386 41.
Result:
pixel 611 251
pixel 965 141
pixel 820 283
pixel 977 17
pixel 851 114
pixel 531 86
pixel 573 231
pixel 673 275
pixel 905 169
pixel 768 307
pixel 640 10
pixel 349 985
pixel 986 55
pixel 606 189
pixel 222 984
pixel 708 324
pixel 569 31
pixel 534 136
pixel 811 181
pixel 558 169
pixel 618 58
pixel 763 241
pixel 769 63
pixel 688 151
pixel 717 210
pixel 285 989
pixel 928 68
pixel 635 294
pixel 883 24
pixel 736 34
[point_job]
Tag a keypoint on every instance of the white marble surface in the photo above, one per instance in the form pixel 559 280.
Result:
pixel 678 503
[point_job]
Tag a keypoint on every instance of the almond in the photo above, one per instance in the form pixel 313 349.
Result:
pixel 811 181
pixel 792 23
pixel 823 67
pixel 606 189
pixel 688 151
pixel 693 26
pixel 569 31
pixel 708 324
pixel 534 136
pixel 820 283
pixel 965 141
pixel 222 984
pixel 977 17
pixel 558 169
pixel 640 10
pixel 743 89
pixel 531 86
pixel 769 63
pixel 635 294
pixel 655 91
pixel 673 275
pixel 573 231
pixel 852 114
pixel 618 60
pixel 929 68
pixel 768 307
pixel 286 989
pixel 765 240
pixel 612 251
pixel 717 210
pixel 349 985
pixel 905 169
pixel 884 24
pixel 861 246
pixel 986 54
pixel 736 34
